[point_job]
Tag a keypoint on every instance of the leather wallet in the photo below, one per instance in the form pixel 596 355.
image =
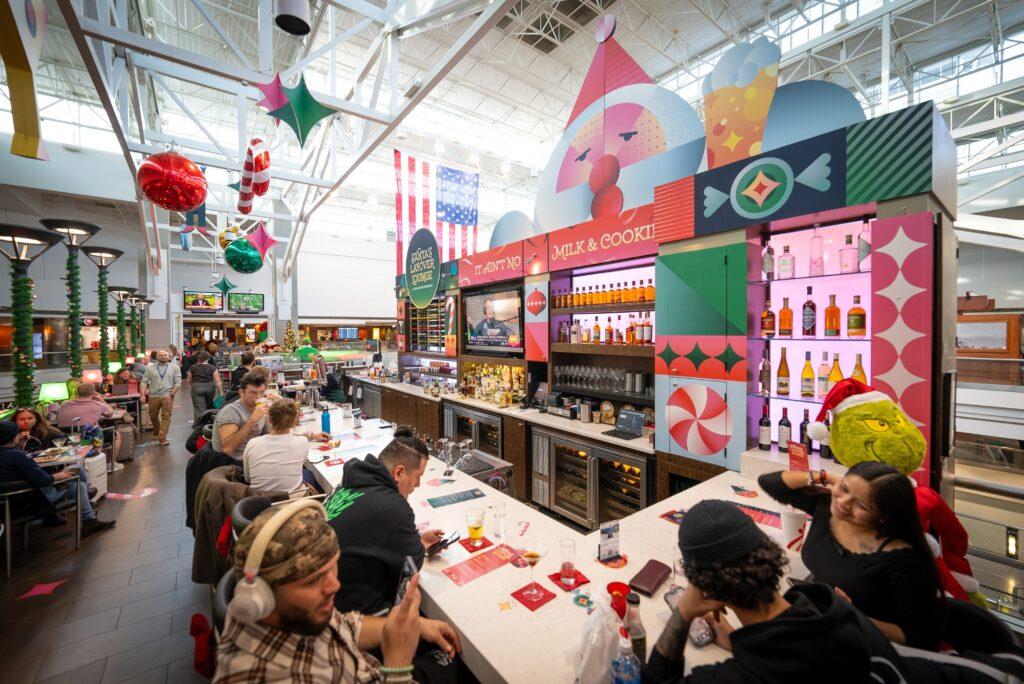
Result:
pixel 650 578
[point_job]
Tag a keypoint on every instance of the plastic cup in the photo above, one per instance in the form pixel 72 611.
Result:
pixel 794 528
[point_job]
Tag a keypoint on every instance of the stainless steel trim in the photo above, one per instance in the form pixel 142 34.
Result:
pixel 985 486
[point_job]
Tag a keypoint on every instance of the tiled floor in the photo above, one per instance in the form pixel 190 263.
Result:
pixel 123 614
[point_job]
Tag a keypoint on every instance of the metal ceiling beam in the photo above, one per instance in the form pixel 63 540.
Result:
pixel 196 61
pixel 363 8
pixel 326 48
pixel 983 127
pixel 439 14
pixel 476 31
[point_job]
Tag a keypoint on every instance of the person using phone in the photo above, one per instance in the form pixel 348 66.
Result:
pixel 305 638
pixel 375 525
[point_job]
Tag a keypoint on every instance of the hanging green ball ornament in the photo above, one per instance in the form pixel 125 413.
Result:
pixel 243 257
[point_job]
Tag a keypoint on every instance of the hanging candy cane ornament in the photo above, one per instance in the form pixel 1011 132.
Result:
pixel 255 174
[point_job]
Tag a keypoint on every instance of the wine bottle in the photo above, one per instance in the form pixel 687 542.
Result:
pixel 823 376
pixel 810 316
pixel 823 448
pixel 848 262
pixel 782 380
pixel 767 320
pixel 856 319
pixel 858 371
pixel 764 376
pixel 816 267
pixel 764 430
pixel 787 264
pixel 768 262
pixel 805 438
pixel 785 319
pixel 807 377
pixel 832 317
pixel 836 374
pixel 785 429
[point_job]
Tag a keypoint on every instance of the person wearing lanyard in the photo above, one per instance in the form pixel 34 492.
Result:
pixel 159 385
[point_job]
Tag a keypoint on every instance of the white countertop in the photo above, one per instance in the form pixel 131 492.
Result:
pixel 546 641
pixel 754 463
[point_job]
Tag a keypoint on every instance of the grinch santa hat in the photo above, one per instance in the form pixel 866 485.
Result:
pixel 844 395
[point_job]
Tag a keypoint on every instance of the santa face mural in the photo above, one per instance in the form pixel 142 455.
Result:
pixel 625 136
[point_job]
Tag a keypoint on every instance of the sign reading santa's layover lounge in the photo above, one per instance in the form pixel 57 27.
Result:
pixel 422 268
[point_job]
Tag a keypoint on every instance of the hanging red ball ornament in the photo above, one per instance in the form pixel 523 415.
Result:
pixel 172 181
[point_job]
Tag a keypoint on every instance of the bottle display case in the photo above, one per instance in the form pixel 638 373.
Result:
pixel 427 327
pixel 812 310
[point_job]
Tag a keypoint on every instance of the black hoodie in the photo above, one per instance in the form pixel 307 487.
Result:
pixel 376 530
pixel 819 638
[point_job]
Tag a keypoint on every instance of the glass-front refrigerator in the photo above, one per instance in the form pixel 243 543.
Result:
pixel 623 485
pixel 574 481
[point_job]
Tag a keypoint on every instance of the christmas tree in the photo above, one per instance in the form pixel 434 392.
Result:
pixel 289 337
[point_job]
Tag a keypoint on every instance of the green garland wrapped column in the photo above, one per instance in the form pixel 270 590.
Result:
pixel 74 313
pixel 21 345
pixel 133 329
pixel 122 340
pixel 104 312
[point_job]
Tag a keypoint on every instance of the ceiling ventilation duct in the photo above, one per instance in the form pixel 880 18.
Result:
pixel 293 16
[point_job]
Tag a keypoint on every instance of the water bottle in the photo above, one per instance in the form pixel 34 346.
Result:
pixel 625 666
pixel 325 421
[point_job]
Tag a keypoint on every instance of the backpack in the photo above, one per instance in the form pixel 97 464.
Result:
pixel 124 443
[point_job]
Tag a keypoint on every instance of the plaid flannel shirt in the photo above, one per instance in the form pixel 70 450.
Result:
pixel 257 653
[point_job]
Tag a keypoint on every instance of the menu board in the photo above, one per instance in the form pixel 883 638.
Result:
pixel 480 564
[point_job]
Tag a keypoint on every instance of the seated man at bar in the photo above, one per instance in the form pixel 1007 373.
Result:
pixel 809 634
pixel 375 525
pixel 302 636
pixel 241 420
pixel 248 359
pixel 15 464
pixel 274 462
pixel 88 407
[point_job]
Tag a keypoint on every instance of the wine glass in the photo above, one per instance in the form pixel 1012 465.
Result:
pixel 534 550
pixel 60 441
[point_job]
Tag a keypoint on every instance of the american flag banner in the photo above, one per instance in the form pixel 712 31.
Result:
pixel 447 204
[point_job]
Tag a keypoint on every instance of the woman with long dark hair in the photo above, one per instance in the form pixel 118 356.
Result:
pixel 866 542
pixel 34 432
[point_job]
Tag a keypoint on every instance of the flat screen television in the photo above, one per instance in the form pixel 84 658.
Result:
pixel 203 301
pixel 494 321
pixel 245 302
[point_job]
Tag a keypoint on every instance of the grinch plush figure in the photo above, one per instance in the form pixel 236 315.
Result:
pixel 868 426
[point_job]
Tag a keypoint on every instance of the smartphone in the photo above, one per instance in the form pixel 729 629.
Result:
pixel 673 594
pixel 408 570
pixel 443 543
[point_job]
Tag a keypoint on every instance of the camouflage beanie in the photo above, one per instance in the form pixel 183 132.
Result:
pixel 301 547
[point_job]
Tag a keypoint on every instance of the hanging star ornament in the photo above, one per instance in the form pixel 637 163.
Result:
pixel 261 240
pixel 224 285
pixel 273 94
pixel 44 589
pixel 301 111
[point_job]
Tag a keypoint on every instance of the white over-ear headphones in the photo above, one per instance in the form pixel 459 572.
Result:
pixel 254 598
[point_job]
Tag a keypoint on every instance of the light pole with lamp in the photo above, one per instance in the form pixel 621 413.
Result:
pixel 103 257
pixel 74 234
pixel 133 324
pixel 21 245
pixel 121 295
pixel 143 307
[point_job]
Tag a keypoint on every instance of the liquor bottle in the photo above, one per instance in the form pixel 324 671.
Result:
pixel 584 332
pixel 618 330
pixel 824 450
pixel 595 332
pixel 631 331
pixel 816 267
pixel 858 371
pixel 836 374
pixel 785 319
pixel 641 292
pixel 856 319
pixel 823 376
pixel 609 332
pixel 563 332
pixel 848 257
pixel 767 320
pixel 787 264
pixel 864 247
pixel 764 430
pixel 648 332
pixel 574 333
pixel 807 377
pixel 805 438
pixel 832 317
pixel 809 316
pixel 764 376
pixel 785 429
pixel 617 294
pixel 782 380
pixel 576 298
pixel 768 262
pixel 649 290
pixel 634 293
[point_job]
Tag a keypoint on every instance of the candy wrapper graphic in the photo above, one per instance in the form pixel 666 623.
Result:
pixel 737 96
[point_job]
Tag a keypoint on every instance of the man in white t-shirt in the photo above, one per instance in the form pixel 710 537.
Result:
pixel 274 461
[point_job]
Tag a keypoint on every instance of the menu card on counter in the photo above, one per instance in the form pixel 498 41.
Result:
pixel 797 457
pixel 480 564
